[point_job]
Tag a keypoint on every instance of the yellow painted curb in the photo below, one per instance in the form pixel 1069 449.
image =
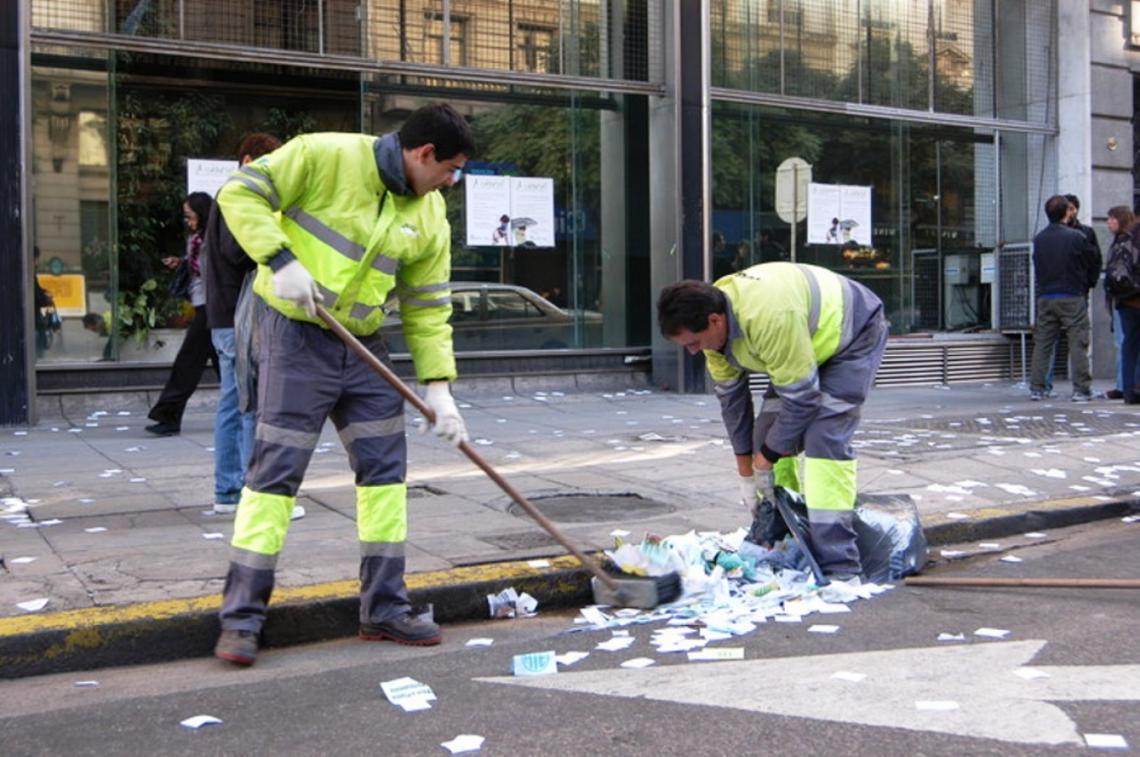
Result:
pixel 90 617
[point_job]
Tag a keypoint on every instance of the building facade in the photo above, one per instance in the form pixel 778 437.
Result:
pixel 677 137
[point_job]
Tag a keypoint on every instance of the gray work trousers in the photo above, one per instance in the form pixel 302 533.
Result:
pixel 1054 316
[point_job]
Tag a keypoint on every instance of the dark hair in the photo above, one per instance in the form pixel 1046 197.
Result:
pixel 201 203
pixel 441 126
pixel 92 319
pixel 1056 207
pixel 688 305
pixel 1124 218
pixel 1074 201
pixel 257 144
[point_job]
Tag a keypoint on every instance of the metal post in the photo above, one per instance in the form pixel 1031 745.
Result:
pixel 795 206
pixel 320 26
pixel 858 52
pixel 181 19
pixel 931 58
pixel 17 327
pixel 782 47
pixel 446 57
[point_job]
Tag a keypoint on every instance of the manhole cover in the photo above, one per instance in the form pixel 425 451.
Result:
pixel 521 541
pixel 593 508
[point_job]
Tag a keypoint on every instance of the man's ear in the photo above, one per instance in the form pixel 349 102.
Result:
pixel 423 152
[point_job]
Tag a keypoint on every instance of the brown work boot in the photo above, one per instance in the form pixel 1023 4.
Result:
pixel 404 629
pixel 238 647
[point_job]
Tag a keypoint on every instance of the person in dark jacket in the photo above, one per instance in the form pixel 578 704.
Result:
pixel 226 269
pixel 1066 269
pixel 1126 307
pixel 196 349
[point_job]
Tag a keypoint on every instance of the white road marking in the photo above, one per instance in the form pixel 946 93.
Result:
pixel 995 704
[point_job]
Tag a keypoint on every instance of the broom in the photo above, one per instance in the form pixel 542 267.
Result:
pixel 640 592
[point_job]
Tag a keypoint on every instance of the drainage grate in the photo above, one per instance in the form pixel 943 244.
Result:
pixel 594 508
pixel 526 540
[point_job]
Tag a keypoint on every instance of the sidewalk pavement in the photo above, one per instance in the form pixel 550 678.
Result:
pixel 135 556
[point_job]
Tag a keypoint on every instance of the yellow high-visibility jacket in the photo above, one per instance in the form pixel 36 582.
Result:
pixel 340 204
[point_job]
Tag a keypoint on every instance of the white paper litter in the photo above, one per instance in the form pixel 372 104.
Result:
pixel 822 628
pixel 464 742
pixel 213 535
pixel 957 516
pixel 408 693
pixel 1030 674
pixel 936 705
pixel 569 658
pixel 480 642
pixel 1011 558
pixel 198 721
pixel 33 605
pixel 85 684
pixel 1034 535
pixel 952 553
pixel 989 545
pixel 1105 741
pixel 95 530
pixel 22 560
pixel 616 644
pixel 992 633
pixel 538 563
pixel 844 675
pixel 719 653
pixel 639 662
pixel 951 637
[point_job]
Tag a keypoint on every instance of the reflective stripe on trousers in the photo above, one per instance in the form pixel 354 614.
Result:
pixel 306 375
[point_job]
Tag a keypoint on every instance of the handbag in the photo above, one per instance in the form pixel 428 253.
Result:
pixel 180 281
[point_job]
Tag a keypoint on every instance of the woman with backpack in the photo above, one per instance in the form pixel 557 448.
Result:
pixel 1122 285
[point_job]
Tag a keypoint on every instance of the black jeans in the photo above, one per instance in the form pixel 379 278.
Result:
pixel 196 349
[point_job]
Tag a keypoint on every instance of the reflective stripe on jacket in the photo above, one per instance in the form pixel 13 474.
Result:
pixel 784 319
pixel 340 204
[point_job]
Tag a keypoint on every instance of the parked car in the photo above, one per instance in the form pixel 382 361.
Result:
pixel 489 316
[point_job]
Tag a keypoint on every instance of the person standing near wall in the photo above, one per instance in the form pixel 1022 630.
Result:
pixel 196 348
pixel 226 268
pixel 1065 272
pixel 1122 287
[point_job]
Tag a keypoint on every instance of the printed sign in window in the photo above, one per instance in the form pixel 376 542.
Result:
pixel 509 211
pixel 839 214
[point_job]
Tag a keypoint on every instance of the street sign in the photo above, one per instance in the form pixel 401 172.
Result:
pixel 987 691
pixel 792 179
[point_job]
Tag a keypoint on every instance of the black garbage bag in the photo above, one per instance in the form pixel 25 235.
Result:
pixel 887 532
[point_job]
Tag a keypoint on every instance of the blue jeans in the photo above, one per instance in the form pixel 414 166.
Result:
pixel 1118 338
pixel 233 430
pixel 1130 325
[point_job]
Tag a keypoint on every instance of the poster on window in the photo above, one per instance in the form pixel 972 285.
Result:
pixel 208 175
pixel 509 211
pixel 839 214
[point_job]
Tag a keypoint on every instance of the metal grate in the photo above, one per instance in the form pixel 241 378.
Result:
pixel 1015 282
pixel 582 38
pixel 939 361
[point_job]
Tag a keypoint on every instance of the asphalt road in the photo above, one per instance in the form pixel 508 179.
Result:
pixel 781 699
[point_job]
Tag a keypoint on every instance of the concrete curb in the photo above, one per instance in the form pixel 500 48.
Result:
pixel 152 632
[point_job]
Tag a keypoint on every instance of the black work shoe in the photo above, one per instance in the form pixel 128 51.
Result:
pixel 238 647
pixel 164 429
pixel 405 629
pixel 1114 394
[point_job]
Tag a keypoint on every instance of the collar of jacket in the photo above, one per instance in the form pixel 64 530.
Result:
pixel 390 163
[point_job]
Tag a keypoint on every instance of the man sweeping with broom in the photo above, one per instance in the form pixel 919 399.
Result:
pixel 820 337
pixel 342 219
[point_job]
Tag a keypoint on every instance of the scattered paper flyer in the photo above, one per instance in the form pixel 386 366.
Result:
pixel 21 560
pixel 198 721
pixel 95 530
pixel 86 684
pixel 538 563
pixel 992 633
pixel 956 516
pixel 33 605
pixel 1030 674
pixel 534 664
pixel 616 644
pixel 569 658
pixel 822 628
pixel 1034 535
pixel 214 535
pixel 464 742
pixel 844 675
pixel 1011 558
pixel 1105 741
pixel 408 693
pixel 951 637
pixel 639 662
pixel 936 706
pixel 721 653
pixel 480 642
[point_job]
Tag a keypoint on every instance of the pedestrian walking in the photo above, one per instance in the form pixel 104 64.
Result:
pixel 343 219
pixel 1066 268
pixel 226 268
pixel 820 338
pixel 196 348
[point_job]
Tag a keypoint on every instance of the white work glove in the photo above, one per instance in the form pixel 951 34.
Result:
pixel 293 282
pixel 756 488
pixel 448 423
